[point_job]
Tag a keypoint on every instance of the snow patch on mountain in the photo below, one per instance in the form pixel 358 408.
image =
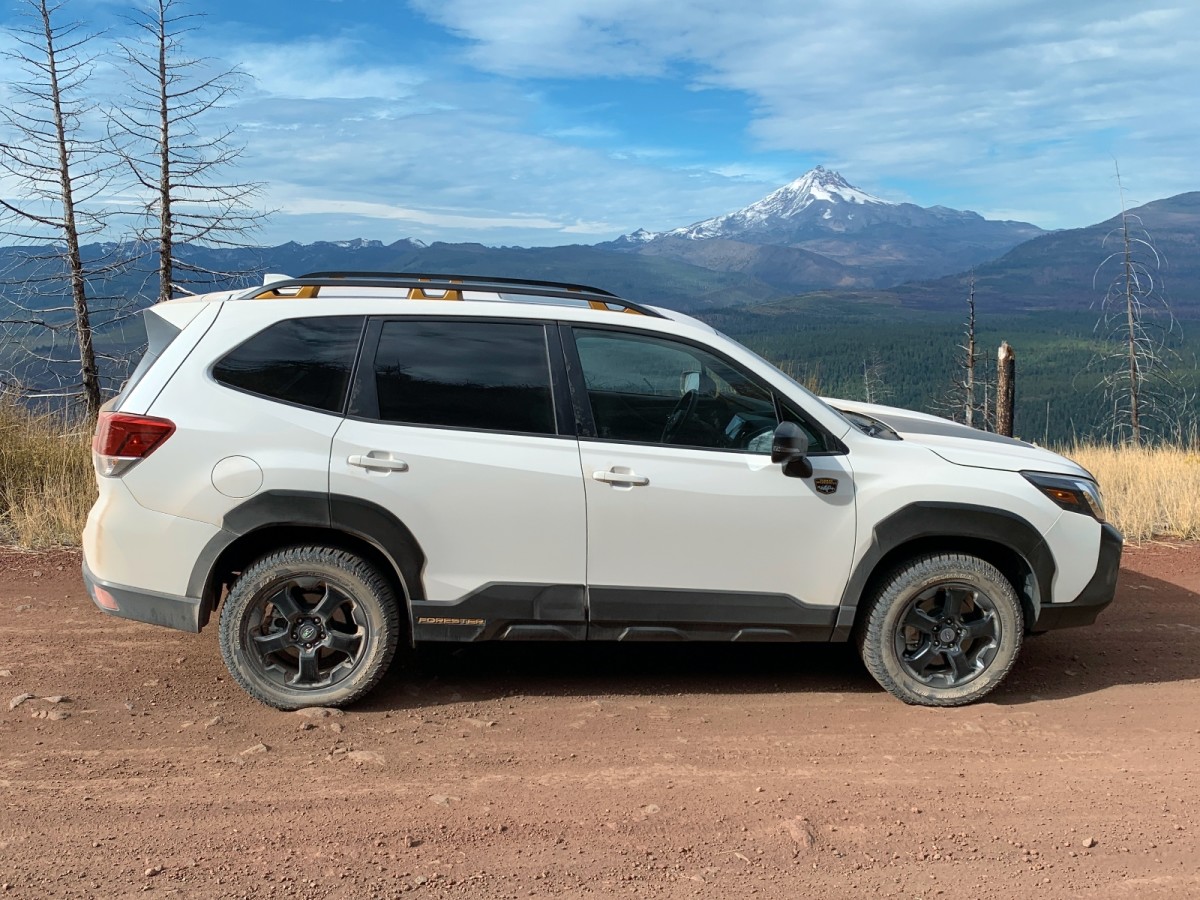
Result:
pixel 820 194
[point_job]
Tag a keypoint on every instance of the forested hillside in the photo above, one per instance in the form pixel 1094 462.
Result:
pixel 1059 392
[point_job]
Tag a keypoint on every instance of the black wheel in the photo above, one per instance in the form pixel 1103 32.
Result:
pixel 942 630
pixel 309 626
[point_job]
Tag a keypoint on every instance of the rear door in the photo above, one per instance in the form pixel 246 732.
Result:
pixel 454 428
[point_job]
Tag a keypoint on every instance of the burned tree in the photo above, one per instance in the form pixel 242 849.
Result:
pixel 56 171
pixel 968 358
pixel 1135 326
pixel 875 387
pixel 1006 389
pixel 961 400
pixel 177 162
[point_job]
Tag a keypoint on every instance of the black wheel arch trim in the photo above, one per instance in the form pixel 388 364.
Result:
pixel 360 519
pixel 959 522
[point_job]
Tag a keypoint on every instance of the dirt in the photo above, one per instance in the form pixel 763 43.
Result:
pixel 137 767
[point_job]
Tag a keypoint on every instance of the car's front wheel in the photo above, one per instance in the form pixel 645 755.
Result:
pixel 309 626
pixel 942 630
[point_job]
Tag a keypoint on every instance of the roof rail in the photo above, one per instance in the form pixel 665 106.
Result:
pixel 465 279
pixel 444 287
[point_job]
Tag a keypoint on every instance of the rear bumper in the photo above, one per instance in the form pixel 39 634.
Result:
pixel 182 613
pixel 1096 595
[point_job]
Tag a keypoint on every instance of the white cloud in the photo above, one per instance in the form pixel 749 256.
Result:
pixel 324 206
pixel 945 92
pixel 324 68
pixel 1014 109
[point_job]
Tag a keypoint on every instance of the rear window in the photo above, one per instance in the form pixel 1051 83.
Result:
pixel 302 361
pixel 486 375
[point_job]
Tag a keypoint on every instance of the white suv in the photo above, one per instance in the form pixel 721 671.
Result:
pixel 345 461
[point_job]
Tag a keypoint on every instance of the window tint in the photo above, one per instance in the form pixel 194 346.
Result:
pixel 302 361
pixel 491 375
pixel 653 390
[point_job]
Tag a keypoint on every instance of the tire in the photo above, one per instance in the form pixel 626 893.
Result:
pixel 943 630
pixel 309 626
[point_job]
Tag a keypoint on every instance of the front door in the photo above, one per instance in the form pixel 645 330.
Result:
pixel 692 531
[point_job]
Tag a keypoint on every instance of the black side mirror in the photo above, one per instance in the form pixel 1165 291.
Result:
pixel 790 447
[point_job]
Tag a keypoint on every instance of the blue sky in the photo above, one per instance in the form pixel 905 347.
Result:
pixel 537 122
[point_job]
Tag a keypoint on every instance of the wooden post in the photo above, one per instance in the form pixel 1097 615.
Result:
pixel 1006 388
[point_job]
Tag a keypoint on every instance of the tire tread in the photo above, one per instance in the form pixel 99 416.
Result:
pixel 306 557
pixel 874 638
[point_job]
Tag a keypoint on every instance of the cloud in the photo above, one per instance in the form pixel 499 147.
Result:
pixel 323 206
pixel 938 92
pixel 325 68
pixel 542 123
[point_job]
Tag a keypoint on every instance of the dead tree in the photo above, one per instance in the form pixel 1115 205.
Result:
pixel 968 359
pixel 55 173
pixel 177 162
pixel 1006 386
pixel 961 400
pixel 1135 326
pixel 875 389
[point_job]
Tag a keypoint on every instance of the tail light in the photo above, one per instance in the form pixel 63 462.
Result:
pixel 121 440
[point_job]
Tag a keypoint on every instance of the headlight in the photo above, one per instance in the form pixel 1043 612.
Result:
pixel 1075 494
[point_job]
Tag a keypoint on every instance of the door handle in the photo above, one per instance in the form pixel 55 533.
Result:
pixel 622 478
pixel 367 461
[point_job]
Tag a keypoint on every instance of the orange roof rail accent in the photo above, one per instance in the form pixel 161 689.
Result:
pixel 422 294
pixel 606 306
pixel 303 292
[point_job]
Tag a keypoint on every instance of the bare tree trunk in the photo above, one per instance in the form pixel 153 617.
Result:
pixel 1006 386
pixel 165 233
pixel 89 377
pixel 1135 427
pixel 969 377
pixel 165 133
pixel 56 171
pixel 1137 326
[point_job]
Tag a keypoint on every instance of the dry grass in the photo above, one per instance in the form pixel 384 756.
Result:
pixel 1148 492
pixel 47 483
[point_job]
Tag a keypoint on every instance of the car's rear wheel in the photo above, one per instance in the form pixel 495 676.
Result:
pixel 942 630
pixel 309 626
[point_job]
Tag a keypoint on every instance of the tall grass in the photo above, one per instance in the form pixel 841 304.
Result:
pixel 1149 492
pixel 47 483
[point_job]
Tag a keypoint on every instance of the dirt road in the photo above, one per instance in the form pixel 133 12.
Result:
pixel 553 771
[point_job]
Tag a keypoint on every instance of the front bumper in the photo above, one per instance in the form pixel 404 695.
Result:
pixel 1096 595
pixel 182 613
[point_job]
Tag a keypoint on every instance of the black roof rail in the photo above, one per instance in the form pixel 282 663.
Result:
pixel 307 286
pixel 466 279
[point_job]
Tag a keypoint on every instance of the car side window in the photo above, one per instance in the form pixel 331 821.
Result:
pixel 306 361
pixel 456 374
pixel 653 390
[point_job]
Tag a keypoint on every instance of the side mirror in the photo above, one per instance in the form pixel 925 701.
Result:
pixel 790 447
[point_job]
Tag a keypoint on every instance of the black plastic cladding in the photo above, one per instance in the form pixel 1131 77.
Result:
pixel 950 521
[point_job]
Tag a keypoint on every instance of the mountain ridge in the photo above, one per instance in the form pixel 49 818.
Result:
pixel 821 219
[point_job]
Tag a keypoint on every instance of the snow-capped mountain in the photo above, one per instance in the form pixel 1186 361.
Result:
pixel 824 231
pixel 820 196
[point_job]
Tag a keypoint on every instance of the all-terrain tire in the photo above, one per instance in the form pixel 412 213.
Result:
pixel 942 630
pixel 309 626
